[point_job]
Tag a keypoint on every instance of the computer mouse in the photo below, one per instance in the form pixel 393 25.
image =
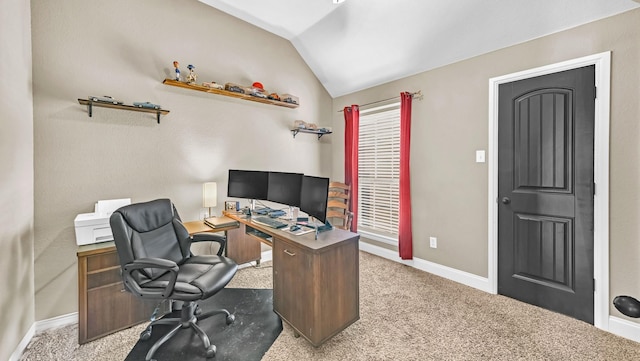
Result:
pixel 294 228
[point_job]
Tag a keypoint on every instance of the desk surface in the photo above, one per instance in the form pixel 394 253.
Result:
pixel 201 227
pixel 326 239
pixel 192 227
pixel 315 281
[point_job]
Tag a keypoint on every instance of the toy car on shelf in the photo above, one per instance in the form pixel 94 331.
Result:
pixel 258 94
pixel 146 105
pixel 104 99
pixel 234 88
pixel 274 96
pixel 288 98
pixel 213 85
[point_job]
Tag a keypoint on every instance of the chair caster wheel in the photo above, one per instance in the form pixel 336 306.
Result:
pixel 230 319
pixel 146 334
pixel 211 351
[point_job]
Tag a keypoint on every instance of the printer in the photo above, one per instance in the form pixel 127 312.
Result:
pixel 94 227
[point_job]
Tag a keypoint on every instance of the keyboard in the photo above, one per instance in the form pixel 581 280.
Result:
pixel 262 211
pixel 269 222
pixel 276 213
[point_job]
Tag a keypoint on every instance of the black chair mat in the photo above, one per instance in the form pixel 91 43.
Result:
pixel 255 329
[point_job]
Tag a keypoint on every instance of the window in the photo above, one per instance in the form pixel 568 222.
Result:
pixel 379 173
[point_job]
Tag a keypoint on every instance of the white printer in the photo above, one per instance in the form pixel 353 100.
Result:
pixel 94 227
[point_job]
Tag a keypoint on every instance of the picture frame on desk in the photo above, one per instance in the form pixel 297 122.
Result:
pixel 231 206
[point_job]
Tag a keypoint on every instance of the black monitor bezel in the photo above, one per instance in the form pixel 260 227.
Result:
pixel 293 184
pixel 260 185
pixel 322 184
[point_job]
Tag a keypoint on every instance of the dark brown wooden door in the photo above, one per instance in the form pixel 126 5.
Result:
pixel 545 191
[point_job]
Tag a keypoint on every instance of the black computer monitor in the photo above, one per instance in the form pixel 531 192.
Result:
pixel 284 188
pixel 313 197
pixel 249 184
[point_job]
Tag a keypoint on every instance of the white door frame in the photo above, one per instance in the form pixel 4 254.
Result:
pixel 602 62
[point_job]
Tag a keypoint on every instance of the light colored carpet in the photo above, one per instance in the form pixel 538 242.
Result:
pixel 405 314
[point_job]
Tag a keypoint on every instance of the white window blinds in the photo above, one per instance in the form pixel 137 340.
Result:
pixel 379 171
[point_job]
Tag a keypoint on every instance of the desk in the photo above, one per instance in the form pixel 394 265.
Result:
pixel 104 306
pixel 241 249
pixel 315 282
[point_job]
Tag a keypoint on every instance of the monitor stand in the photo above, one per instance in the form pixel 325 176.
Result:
pixel 293 213
pixel 252 207
pixel 319 226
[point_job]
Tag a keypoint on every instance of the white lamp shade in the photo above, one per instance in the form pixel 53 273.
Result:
pixel 209 194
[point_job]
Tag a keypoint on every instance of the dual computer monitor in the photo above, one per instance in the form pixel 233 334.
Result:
pixel 293 189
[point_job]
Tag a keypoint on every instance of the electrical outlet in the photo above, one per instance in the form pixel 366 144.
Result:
pixel 480 156
pixel 433 242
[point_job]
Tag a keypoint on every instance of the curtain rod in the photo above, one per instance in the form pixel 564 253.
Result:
pixel 417 95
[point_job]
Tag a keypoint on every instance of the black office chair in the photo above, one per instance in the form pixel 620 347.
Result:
pixel 153 247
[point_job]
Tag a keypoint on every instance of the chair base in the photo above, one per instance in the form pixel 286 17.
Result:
pixel 190 314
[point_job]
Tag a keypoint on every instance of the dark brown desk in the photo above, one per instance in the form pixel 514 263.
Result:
pixel 315 282
pixel 104 306
pixel 240 249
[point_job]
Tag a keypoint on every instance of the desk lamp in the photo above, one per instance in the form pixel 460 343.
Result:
pixel 209 196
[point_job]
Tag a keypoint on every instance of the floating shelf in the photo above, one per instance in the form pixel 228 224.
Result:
pixel 300 130
pixel 227 93
pixel 90 104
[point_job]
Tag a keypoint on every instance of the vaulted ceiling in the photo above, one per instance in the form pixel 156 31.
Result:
pixel 358 44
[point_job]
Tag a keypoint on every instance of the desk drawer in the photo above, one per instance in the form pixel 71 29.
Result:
pixel 103 305
pixel 101 261
pixel 293 275
pixel 112 309
pixel 103 277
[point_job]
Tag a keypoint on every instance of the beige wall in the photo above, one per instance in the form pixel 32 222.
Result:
pixel 16 177
pixel 125 49
pixel 450 190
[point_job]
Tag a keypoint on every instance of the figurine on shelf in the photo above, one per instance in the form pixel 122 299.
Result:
pixel 192 77
pixel 176 65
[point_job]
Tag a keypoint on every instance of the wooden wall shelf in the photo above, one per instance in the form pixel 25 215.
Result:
pixel 227 93
pixel 90 104
pixel 300 130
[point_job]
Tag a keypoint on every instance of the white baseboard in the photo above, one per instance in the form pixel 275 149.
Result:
pixel 617 326
pixel 41 326
pixel 15 356
pixel 71 318
pixel 466 278
pixel 624 328
pixel 55 322
pixel 265 256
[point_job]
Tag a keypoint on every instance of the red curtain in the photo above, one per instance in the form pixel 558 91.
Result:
pixel 351 134
pixel 405 236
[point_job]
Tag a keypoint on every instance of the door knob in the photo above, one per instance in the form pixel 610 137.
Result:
pixel 506 200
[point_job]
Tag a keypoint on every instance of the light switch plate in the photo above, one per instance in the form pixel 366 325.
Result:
pixel 479 156
pixel 433 242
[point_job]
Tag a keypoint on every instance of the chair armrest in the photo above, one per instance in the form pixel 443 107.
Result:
pixel 211 237
pixel 156 263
